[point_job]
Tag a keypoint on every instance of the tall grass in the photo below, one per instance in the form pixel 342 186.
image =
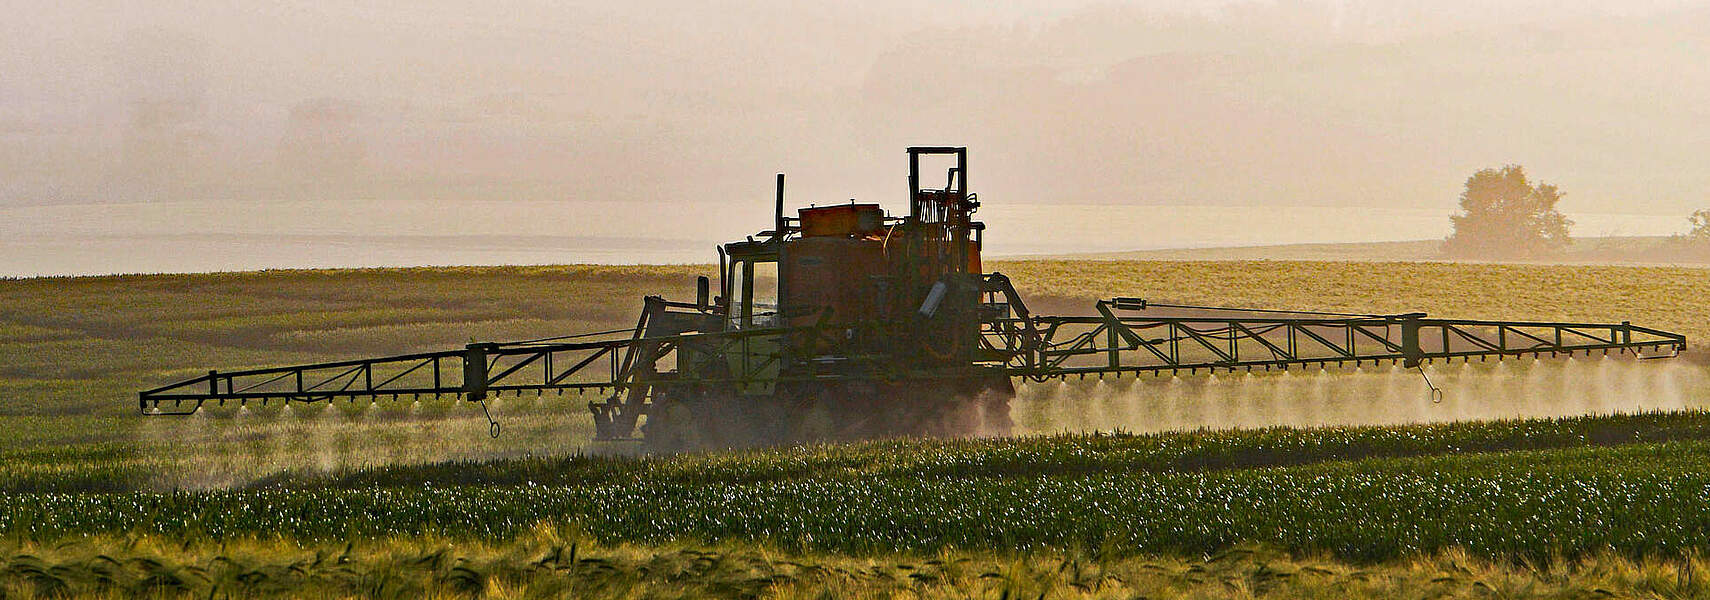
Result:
pixel 552 562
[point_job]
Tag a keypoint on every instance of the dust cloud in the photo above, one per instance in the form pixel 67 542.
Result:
pixel 1370 395
pixel 224 448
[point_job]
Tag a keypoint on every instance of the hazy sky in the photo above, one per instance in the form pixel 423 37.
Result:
pixel 1384 104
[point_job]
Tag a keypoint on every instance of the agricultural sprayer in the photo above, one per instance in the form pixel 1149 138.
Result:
pixel 845 322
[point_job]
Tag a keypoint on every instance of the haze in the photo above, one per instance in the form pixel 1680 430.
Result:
pixel 640 125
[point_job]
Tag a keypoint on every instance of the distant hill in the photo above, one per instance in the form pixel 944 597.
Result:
pixel 1621 250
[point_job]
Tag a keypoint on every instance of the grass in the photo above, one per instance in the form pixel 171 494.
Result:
pixel 1613 502
pixel 552 562
pixel 1641 499
pixel 1065 455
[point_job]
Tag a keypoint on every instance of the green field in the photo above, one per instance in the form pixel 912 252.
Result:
pixel 392 499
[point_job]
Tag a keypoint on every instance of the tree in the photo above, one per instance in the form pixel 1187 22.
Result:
pixel 1504 215
pixel 1700 221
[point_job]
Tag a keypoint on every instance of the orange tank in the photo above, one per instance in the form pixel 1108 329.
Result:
pixel 835 273
pixel 842 220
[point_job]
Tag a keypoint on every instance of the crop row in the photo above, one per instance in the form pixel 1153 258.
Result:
pixel 1046 455
pixel 1647 499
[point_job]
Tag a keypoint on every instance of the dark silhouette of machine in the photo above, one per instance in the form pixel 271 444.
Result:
pixel 844 322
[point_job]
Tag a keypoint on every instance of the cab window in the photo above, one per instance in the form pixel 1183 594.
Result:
pixel 753 293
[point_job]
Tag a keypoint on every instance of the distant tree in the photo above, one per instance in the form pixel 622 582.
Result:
pixel 1505 215
pixel 1692 246
pixel 1700 221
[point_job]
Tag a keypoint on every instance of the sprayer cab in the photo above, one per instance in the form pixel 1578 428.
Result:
pixel 853 262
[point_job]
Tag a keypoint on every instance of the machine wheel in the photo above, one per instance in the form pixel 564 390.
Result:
pixel 993 400
pixel 970 408
pixel 697 420
pixel 706 420
pixel 671 427
pixel 816 419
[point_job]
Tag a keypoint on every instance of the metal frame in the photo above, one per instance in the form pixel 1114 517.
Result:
pixel 488 369
pixel 1080 346
pixel 1032 347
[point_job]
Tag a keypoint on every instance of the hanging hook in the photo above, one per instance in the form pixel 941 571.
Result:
pixel 1436 392
pixel 492 425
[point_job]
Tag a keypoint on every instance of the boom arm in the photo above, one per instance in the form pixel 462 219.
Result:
pixel 474 372
pixel 1115 342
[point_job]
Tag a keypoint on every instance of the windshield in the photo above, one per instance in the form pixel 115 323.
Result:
pixel 754 294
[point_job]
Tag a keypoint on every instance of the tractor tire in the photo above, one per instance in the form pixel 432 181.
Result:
pixel 700 420
pixel 671 427
pixel 992 401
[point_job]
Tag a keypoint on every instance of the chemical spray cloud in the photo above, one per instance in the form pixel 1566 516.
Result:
pixel 246 444
pixel 242 445
pixel 1379 395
